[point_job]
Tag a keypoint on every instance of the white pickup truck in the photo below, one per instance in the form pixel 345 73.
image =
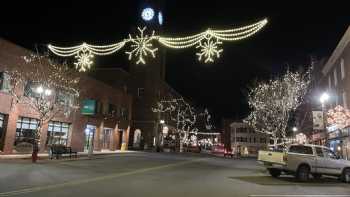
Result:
pixel 303 160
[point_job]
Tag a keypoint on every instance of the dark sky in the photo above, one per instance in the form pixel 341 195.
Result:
pixel 294 33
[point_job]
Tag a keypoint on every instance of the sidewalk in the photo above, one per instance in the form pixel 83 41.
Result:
pixel 46 155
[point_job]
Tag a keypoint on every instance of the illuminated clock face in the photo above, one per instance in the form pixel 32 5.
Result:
pixel 160 18
pixel 147 14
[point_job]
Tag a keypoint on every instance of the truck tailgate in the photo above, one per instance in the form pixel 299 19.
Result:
pixel 271 157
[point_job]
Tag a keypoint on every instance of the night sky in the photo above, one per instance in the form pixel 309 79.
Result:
pixel 294 33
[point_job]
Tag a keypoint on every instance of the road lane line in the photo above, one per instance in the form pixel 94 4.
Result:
pixel 79 182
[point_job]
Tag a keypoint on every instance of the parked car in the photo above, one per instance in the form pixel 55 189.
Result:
pixel 228 153
pixel 303 160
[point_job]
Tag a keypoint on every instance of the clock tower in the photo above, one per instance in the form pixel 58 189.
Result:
pixel 148 80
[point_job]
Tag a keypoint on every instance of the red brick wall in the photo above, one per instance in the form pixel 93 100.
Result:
pixel 11 57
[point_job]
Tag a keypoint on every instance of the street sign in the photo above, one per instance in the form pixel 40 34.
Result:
pixel 89 107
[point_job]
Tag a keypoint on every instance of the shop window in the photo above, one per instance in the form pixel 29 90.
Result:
pixel 57 133
pixel 26 128
pixel 5 82
pixel 2 117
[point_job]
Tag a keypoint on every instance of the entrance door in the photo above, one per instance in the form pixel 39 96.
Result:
pixel 106 138
pixel 89 136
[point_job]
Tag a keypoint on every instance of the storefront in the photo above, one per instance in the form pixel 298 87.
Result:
pixel 339 142
pixel 318 138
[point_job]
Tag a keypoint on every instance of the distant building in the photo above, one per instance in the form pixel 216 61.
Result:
pixel 242 139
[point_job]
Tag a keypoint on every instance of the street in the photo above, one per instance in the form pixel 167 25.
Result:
pixel 153 174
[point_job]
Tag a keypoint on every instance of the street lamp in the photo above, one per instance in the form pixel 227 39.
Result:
pixel 161 121
pixel 41 90
pixel 323 99
pixel 295 129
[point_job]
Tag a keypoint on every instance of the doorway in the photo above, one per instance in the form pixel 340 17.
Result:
pixel 105 138
pixel 89 137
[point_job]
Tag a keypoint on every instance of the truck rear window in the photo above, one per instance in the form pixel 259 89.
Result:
pixel 301 150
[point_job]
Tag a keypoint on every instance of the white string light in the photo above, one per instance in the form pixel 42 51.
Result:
pixel 207 42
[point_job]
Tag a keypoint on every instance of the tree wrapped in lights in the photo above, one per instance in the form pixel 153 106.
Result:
pixel 273 101
pixel 182 114
pixel 47 88
pixel 339 116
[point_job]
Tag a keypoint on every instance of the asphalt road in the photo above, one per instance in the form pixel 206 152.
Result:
pixel 153 174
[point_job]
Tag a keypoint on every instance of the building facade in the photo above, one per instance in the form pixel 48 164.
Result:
pixel 336 73
pixel 106 127
pixel 242 139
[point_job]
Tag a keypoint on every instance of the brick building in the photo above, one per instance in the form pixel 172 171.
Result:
pixel 108 125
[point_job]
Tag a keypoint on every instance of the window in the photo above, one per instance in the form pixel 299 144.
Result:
pixel 25 131
pixel 57 133
pixel 99 107
pixel 335 77
pixel 112 110
pixel 29 89
pixel 140 92
pixel 64 98
pixel 301 150
pixel 124 113
pixel 345 104
pixel 319 152
pixel 5 82
pixel 342 68
pixel 329 154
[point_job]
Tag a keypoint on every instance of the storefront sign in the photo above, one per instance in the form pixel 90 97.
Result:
pixel 89 107
pixel 317 119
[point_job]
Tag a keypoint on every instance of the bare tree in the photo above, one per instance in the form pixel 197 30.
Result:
pixel 182 114
pixel 272 103
pixel 49 89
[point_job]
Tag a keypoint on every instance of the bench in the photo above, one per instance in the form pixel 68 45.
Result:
pixel 58 150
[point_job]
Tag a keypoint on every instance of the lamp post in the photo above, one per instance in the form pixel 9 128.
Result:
pixel 323 99
pixel 43 93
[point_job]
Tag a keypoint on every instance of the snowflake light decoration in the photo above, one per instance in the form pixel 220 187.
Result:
pixel 209 49
pixel 141 46
pixel 339 116
pixel 84 61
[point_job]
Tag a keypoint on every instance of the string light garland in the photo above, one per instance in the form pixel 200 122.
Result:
pixel 208 43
